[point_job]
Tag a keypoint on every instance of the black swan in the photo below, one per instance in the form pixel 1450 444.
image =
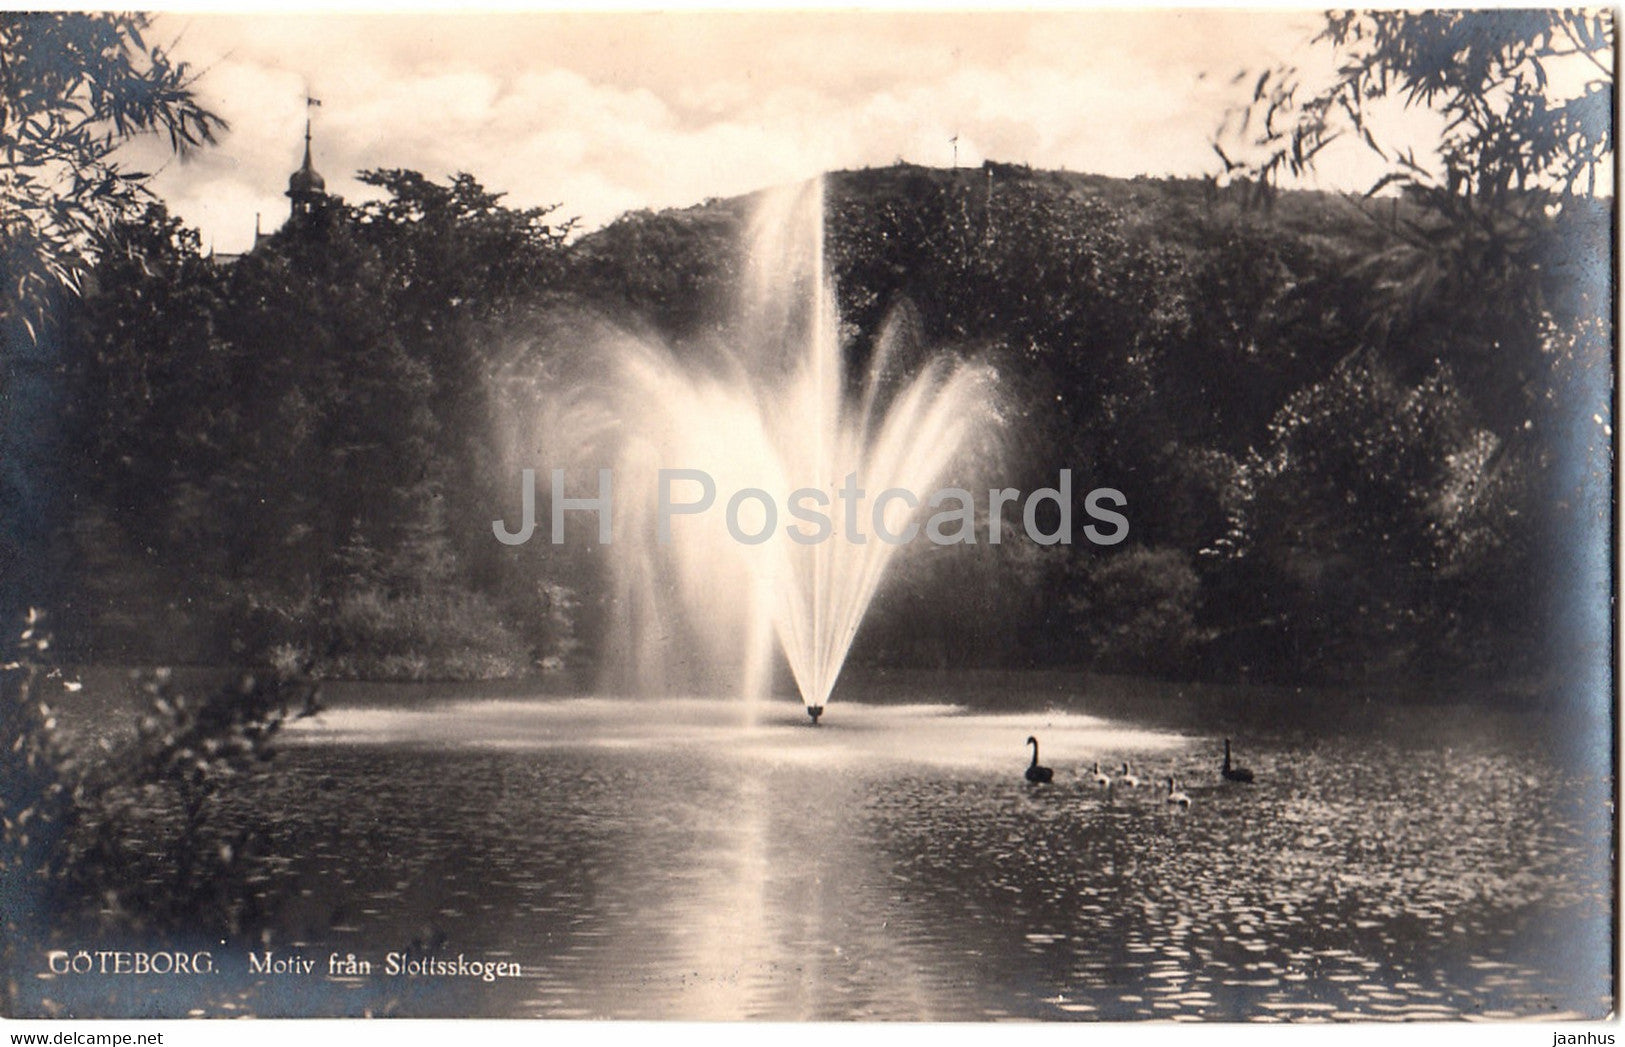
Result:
pixel 1035 773
pixel 1177 796
pixel 1234 774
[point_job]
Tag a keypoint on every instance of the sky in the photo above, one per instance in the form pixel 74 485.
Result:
pixel 601 113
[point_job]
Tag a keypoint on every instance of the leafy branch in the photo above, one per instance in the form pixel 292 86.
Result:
pixel 1490 74
pixel 73 88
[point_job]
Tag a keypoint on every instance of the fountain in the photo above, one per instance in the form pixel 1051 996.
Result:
pixel 770 410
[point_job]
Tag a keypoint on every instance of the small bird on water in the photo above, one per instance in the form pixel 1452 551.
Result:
pixel 1036 774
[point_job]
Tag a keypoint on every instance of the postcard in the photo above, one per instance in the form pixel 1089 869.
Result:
pixel 809 516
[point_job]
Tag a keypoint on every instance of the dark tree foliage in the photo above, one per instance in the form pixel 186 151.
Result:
pixel 1262 315
pixel 1029 271
pixel 461 270
pixel 298 462
pixel 672 270
pixel 154 840
pixel 283 457
pixel 73 87
pixel 1497 264
pixel 140 441
pixel 1501 227
pixel 1352 525
pixel 1137 611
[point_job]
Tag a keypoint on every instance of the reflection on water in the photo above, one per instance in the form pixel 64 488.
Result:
pixel 858 737
pixel 673 861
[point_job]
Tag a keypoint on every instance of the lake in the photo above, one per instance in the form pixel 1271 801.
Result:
pixel 712 859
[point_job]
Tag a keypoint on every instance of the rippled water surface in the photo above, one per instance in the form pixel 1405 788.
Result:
pixel 695 860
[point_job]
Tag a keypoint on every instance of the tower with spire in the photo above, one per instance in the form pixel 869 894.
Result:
pixel 310 207
pixel 306 188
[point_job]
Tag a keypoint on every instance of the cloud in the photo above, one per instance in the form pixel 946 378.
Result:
pixel 601 113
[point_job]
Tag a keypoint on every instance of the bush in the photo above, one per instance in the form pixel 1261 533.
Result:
pixel 444 634
pixel 1367 529
pixel 140 839
pixel 154 844
pixel 1137 610
pixel 37 784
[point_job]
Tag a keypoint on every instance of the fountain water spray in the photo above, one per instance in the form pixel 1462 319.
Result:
pixel 773 411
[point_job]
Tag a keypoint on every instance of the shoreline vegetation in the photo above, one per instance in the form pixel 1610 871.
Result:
pixel 1323 485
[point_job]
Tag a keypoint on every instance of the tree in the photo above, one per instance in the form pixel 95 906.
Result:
pixel 278 458
pixel 143 424
pixel 1136 611
pixel 1490 73
pixel 1498 257
pixel 73 88
pixel 672 269
pixel 465 275
pixel 1499 233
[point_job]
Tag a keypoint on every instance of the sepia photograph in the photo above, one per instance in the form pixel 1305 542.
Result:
pixel 809 516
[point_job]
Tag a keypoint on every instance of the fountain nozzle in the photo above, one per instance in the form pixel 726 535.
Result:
pixel 815 711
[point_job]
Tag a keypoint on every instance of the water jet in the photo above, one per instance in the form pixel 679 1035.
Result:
pixel 766 408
